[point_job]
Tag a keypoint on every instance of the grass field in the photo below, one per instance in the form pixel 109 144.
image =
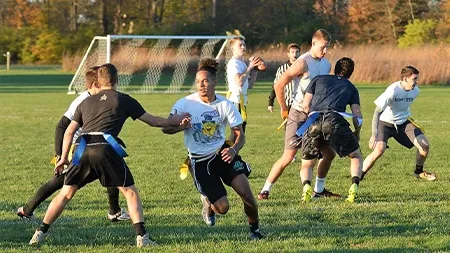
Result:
pixel 396 213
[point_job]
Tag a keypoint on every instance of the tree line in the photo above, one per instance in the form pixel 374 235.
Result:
pixel 42 31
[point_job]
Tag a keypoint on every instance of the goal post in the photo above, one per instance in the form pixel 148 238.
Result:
pixel 152 63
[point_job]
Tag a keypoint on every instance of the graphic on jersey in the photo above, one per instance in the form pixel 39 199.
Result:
pixel 207 128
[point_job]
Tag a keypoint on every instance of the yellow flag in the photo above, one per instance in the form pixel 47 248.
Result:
pixel 415 124
pixel 184 169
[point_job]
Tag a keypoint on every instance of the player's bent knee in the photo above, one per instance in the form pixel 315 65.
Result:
pixel 356 154
pixel 221 206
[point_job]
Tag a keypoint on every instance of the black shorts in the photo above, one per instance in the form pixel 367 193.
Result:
pixel 403 134
pixel 100 162
pixel 209 174
pixel 332 129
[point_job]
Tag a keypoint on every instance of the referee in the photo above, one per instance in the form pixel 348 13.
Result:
pixel 293 52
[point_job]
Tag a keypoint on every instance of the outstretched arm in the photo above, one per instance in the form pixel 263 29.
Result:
pixel 375 122
pixel 68 136
pixel 185 124
pixel 60 129
pixel 156 121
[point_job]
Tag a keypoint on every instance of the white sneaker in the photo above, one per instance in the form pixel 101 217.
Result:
pixel 145 240
pixel 207 213
pixel 119 216
pixel 37 238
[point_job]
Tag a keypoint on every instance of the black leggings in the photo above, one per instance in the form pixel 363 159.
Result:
pixel 56 183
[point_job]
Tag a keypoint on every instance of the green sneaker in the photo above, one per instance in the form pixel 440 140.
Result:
pixel 307 193
pixel 352 193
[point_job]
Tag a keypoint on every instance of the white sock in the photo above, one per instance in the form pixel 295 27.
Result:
pixel 320 184
pixel 267 186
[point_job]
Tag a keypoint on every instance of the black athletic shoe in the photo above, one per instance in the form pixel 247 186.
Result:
pixel 256 235
pixel 23 215
pixel 325 194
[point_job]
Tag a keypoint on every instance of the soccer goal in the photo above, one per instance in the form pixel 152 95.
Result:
pixel 149 64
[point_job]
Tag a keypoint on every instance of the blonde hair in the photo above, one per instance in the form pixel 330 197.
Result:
pixel 322 34
pixel 91 76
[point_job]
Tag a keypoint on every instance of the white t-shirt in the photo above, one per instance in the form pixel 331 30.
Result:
pixel 395 103
pixel 236 66
pixel 71 111
pixel 207 133
pixel 315 67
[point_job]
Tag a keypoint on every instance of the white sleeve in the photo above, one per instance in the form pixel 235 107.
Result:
pixel 178 107
pixel 384 99
pixel 233 68
pixel 278 74
pixel 234 118
pixel 73 107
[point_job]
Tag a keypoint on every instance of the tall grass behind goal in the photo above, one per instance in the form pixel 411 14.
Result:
pixel 150 64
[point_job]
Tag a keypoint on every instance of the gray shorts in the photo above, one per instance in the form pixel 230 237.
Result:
pixel 295 120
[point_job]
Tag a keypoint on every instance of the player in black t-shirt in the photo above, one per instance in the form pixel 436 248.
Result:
pixel 325 101
pixel 99 154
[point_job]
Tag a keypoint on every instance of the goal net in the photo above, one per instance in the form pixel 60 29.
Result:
pixel 149 64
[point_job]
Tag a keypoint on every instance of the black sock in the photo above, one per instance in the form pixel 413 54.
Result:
pixel 306 182
pixel 43 227
pixel 355 180
pixel 254 226
pixel 362 175
pixel 419 169
pixel 113 198
pixel 139 228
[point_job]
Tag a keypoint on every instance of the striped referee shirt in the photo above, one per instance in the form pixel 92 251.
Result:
pixel 288 89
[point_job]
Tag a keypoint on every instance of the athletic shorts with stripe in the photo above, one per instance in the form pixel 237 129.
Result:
pixel 209 174
pixel 403 134
pixel 332 129
pixel 295 120
pixel 99 161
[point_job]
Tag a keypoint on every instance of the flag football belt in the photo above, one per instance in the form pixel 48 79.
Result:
pixel 241 105
pixel 108 138
pixel 314 115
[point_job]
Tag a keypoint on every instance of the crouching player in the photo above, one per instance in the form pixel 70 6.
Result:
pixel 326 129
pixel 212 160
pixel 392 119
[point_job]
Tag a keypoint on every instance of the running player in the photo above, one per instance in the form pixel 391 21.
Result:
pixel 214 162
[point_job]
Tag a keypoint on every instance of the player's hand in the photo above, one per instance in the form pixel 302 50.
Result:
pixel 253 62
pixel 372 142
pixel 284 114
pixel 178 120
pixel 59 167
pixel 228 154
pixel 186 123
pixel 270 108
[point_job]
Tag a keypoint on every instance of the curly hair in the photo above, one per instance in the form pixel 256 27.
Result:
pixel 210 65
pixel 344 67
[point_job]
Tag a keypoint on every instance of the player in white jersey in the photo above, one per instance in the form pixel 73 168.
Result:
pixel 240 77
pixel 46 190
pixel 306 67
pixel 213 161
pixel 289 92
pixel 392 119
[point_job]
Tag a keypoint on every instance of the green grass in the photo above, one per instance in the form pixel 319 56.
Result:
pixel 396 213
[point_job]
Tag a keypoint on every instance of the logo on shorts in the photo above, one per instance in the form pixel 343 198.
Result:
pixel 238 165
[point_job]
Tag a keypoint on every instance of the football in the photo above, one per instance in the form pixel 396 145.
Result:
pixel 261 65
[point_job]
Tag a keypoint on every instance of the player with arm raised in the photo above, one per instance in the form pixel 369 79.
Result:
pixel 99 154
pixel 392 118
pixel 293 53
pixel 326 130
pixel 57 182
pixel 306 67
pixel 213 161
